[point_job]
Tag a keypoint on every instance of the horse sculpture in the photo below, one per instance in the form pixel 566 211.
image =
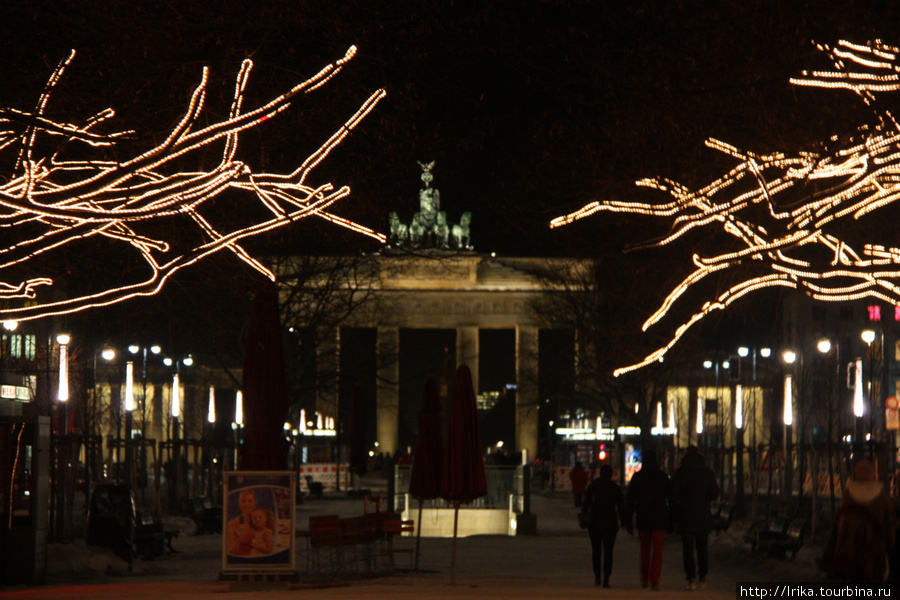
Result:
pixel 461 235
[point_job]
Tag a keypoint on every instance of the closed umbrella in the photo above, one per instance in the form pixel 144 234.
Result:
pixel 463 478
pixel 425 479
pixel 264 386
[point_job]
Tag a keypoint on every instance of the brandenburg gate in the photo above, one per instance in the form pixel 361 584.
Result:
pixel 428 277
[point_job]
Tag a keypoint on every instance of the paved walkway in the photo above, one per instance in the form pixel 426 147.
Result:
pixel 555 563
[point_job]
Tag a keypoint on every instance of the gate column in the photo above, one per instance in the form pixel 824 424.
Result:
pixel 467 350
pixel 387 397
pixel 527 390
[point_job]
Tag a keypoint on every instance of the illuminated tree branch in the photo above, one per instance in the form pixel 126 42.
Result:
pixel 51 199
pixel 778 209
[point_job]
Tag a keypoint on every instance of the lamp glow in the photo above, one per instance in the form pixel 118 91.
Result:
pixel 129 386
pixel 176 396
pixel 788 400
pixel 699 415
pixel 63 392
pixel 858 400
pixel 738 407
pixel 239 408
pixel 211 408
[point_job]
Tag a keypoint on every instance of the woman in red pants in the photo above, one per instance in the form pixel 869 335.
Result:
pixel 647 500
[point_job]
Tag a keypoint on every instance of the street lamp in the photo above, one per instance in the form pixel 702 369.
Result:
pixel 63 340
pixel 868 336
pixel 824 346
pixel 789 357
pixel 709 364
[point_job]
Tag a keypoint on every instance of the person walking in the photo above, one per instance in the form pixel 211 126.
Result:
pixel 579 478
pixel 693 488
pixel 603 510
pixel 863 530
pixel 647 500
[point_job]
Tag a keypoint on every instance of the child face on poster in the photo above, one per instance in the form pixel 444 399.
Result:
pixel 259 518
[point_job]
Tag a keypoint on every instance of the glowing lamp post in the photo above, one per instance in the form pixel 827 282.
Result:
pixel 789 358
pixel 824 346
pixel 63 341
pixel 64 449
pixel 128 402
pixel 238 422
pixel 868 336
pixel 62 394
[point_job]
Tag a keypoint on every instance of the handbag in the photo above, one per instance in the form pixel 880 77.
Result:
pixel 584 519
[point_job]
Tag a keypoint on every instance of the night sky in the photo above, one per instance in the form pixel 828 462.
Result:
pixel 529 108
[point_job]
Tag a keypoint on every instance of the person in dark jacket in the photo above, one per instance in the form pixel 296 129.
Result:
pixel 648 498
pixel 693 488
pixel 604 507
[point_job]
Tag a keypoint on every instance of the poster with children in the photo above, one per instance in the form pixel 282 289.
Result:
pixel 259 520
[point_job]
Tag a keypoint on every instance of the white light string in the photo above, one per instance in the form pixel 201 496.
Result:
pixel 58 199
pixel 786 243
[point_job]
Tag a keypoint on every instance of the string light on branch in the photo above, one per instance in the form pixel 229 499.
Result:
pixel 782 211
pixel 55 193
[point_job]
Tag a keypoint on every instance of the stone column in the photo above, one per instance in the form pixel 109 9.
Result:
pixel 527 400
pixel 387 398
pixel 467 350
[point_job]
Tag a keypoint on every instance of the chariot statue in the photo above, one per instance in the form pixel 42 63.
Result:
pixel 429 227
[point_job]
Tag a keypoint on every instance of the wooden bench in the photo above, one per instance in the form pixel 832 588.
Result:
pixel 792 539
pixel 723 517
pixel 206 516
pixel 779 535
pixel 149 538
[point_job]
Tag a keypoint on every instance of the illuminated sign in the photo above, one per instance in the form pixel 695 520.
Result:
pixel 607 434
pixel 321 432
pixel 15 392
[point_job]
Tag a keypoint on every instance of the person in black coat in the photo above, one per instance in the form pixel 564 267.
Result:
pixel 693 488
pixel 604 509
pixel 648 499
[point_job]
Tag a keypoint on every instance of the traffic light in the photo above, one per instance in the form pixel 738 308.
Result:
pixel 602 455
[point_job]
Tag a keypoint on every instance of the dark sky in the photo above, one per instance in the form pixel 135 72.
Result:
pixel 530 108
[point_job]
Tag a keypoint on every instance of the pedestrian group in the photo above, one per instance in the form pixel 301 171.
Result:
pixel 655 505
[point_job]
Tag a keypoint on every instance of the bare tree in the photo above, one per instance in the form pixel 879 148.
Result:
pixel 581 300
pixel 161 208
pixel 319 294
pixel 786 216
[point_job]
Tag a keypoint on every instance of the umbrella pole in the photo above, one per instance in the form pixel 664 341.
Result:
pixel 453 561
pixel 418 534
